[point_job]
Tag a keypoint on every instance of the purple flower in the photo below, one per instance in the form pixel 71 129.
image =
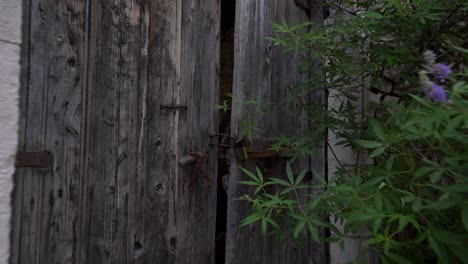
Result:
pixel 436 93
pixel 441 72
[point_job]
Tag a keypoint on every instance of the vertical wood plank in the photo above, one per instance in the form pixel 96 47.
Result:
pixel 163 83
pixel 47 200
pixel 264 71
pixel 196 184
pixel 183 70
pixel 136 233
pixel 114 118
pixel 65 45
pixel 32 185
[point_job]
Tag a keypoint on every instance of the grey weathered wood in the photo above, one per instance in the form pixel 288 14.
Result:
pixel 96 74
pixel 112 125
pixel 196 197
pixel 43 231
pixel 183 71
pixel 264 71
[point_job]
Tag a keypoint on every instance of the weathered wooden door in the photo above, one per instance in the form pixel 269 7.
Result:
pixel 121 92
pixel 118 91
pixel 265 71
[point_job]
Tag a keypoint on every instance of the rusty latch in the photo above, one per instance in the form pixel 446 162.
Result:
pixel 258 149
pixel 38 159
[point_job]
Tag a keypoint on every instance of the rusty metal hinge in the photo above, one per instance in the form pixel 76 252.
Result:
pixel 173 106
pixel 38 159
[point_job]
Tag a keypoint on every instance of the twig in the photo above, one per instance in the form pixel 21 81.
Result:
pixel 336 158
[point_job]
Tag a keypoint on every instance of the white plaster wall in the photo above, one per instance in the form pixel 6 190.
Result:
pixel 10 37
pixel 348 159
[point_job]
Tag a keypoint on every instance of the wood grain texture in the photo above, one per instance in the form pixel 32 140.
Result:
pixel 264 71
pixel 50 112
pixel 111 125
pixel 182 71
pixel 196 185
pixel 95 75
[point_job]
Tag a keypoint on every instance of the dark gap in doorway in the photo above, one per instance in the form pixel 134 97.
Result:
pixel 228 14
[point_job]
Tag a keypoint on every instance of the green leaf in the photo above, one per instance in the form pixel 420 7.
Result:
pixel 462 188
pixel 273 223
pixel 376 224
pixel 460 49
pixel 402 223
pixel 423 171
pixel 372 14
pixel 377 128
pixel 287 190
pixel 280 182
pixel 437 248
pixel 300 177
pixel 259 174
pixel 398 259
pixel 377 152
pixel 368 144
pixel 257 190
pixel 298 228
pixel 449 238
pixel 332 239
pixel 264 226
pixel 414 223
pixel 460 253
pixel 464 216
pixel 436 176
pixel 393 105
pixel 421 101
pixel 442 204
pixel 313 232
pixel 378 201
pixel 375 240
pixel 318 177
pixel 417 205
pixel 249 183
pixel 250 174
pixel 250 219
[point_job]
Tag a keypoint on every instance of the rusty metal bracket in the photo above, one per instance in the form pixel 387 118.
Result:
pixel 258 149
pixel 185 160
pixel 173 106
pixel 38 159
pixel 222 137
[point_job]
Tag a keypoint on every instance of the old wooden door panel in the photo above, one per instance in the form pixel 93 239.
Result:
pixel 195 220
pixel 182 89
pixel 46 202
pixel 99 76
pixel 112 123
pixel 264 71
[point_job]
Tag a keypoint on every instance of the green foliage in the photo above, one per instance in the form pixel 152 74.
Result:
pixel 410 199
